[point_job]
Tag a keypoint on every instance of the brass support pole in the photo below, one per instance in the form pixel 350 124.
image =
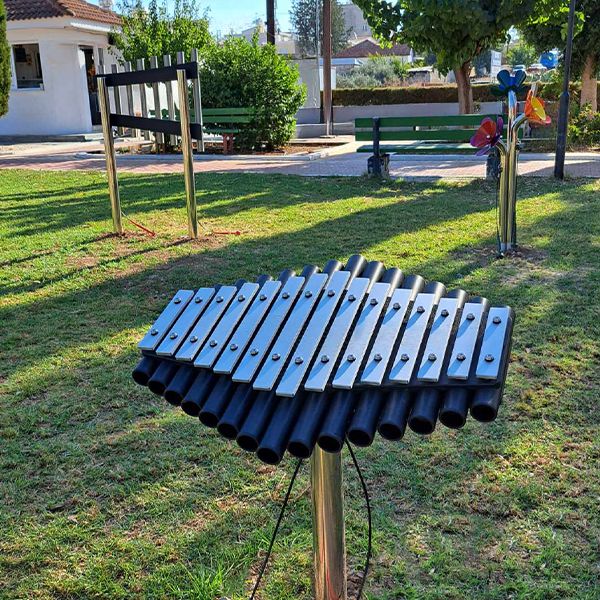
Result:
pixel 329 541
pixel 109 153
pixel 327 52
pixel 188 157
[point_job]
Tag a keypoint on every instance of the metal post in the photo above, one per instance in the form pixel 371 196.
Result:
pixel 170 103
pixel 109 153
pixel 329 540
pixel 197 90
pixel 270 22
pixel 117 93
pixel 141 66
pixel 563 111
pixel 327 51
pixel 129 91
pixel 157 111
pixel 188 157
pixel 503 197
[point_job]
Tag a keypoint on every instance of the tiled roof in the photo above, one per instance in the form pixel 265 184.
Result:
pixel 369 48
pixel 21 10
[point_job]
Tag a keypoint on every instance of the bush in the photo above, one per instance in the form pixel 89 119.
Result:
pixel 239 73
pixel 4 62
pixel 375 71
pixel 584 129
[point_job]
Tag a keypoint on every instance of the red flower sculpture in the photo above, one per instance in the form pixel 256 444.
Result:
pixel 488 135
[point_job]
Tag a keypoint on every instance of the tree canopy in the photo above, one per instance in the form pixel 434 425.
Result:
pixel 4 62
pixel 547 30
pixel 303 16
pixel 157 31
pixel 456 32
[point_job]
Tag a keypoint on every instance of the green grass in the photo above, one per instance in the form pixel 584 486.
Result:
pixel 107 492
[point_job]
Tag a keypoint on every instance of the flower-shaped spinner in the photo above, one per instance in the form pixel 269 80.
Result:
pixel 488 135
pixel 535 110
pixel 508 82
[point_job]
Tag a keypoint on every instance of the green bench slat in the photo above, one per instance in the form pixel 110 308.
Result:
pixel 457 135
pixel 430 148
pixel 437 121
pixel 220 131
pixel 234 119
pixel 213 112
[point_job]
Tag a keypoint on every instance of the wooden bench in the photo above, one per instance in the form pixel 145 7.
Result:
pixel 422 135
pixel 220 121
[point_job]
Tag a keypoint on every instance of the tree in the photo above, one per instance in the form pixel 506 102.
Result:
pixel 548 31
pixel 154 31
pixel 303 16
pixel 456 32
pixel 4 62
pixel 522 53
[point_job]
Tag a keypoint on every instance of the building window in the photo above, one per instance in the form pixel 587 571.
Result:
pixel 28 66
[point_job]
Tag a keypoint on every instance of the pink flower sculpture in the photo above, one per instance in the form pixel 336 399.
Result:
pixel 488 135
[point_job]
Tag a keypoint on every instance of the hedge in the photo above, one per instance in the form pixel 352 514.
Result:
pixel 421 94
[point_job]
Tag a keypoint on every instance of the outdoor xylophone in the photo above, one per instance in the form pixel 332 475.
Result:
pixel 327 355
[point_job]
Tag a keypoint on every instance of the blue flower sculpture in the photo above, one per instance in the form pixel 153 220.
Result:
pixel 508 82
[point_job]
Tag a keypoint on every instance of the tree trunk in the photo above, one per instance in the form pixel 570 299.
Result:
pixel 465 91
pixel 589 83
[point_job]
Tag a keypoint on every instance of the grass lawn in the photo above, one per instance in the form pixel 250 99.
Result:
pixel 107 492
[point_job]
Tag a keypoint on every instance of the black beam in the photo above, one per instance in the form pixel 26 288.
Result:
pixel 156 125
pixel 159 75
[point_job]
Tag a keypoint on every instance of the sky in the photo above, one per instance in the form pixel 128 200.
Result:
pixel 227 15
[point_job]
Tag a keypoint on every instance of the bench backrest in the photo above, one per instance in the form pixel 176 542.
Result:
pixel 453 128
pixel 216 115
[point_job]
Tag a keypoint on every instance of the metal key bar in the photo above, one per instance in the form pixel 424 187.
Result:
pixel 166 319
pixel 488 365
pixel 241 337
pixel 212 348
pixel 332 346
pixel 406 356
pixel 361 336
pixel 282 347
pixel 439 336
pixel 466 339
pixel 308 344
pixel 386 337
pixel 268 330
pixel 185 322
pixel 197 336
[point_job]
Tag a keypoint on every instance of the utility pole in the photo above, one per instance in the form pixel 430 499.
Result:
pixel 271 22
pixel 327 51
pixel 563 111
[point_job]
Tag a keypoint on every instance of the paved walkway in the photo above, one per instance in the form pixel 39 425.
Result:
pixel 339 161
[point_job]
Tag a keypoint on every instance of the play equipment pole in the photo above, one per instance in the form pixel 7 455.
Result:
pixel 188 157
pixel 327 51
pixel 329 540
pixel 109 154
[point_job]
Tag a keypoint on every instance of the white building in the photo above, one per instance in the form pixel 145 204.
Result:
pixel 56 46
pixel 284 41
pixel 355 23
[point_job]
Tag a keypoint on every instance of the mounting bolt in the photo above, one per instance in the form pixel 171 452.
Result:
pixel 432 357
pixel 177 301
pixel 219 299
pixel 241 298
pixel 405 358
pixel 308 294
pixel 233 347
pixel 460 357
pixel 154 332
pixel 351 358
pixel 373 302
pixel 420 309
pixel 378 358
pixel 197 300
pixel 212 343
pixel 299 360
pixel 496 320
pixel 285 295
pixel 489 358
pixel 351 298
pixel 470 317
pixel 275 356
pixel 253 352
pixel 331 293
pixel 263 297
pixel 324 358
pixel 396 306
pixel 173 336
pixel 444 313
pixel 193 339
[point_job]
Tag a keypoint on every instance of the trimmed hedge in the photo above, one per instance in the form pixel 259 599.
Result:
pixel 419 95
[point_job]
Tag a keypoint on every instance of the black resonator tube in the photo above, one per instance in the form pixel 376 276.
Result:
pixel 145 369
pixel 198 393
pixel 210 414
pixel 304 435
pixel 485 404
pixel 256 421
pixel 394 417
pixel 162 376
pixel 236 412
pixel 180 384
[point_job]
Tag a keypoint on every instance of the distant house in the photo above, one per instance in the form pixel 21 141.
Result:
pixel 356 25
pixel 285 42
pixel 56 46
pixel 358 53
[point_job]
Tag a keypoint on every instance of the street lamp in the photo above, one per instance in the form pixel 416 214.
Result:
pixel 563 111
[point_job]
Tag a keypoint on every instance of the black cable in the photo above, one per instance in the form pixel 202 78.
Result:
pixel 370 534
pixel 275 531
